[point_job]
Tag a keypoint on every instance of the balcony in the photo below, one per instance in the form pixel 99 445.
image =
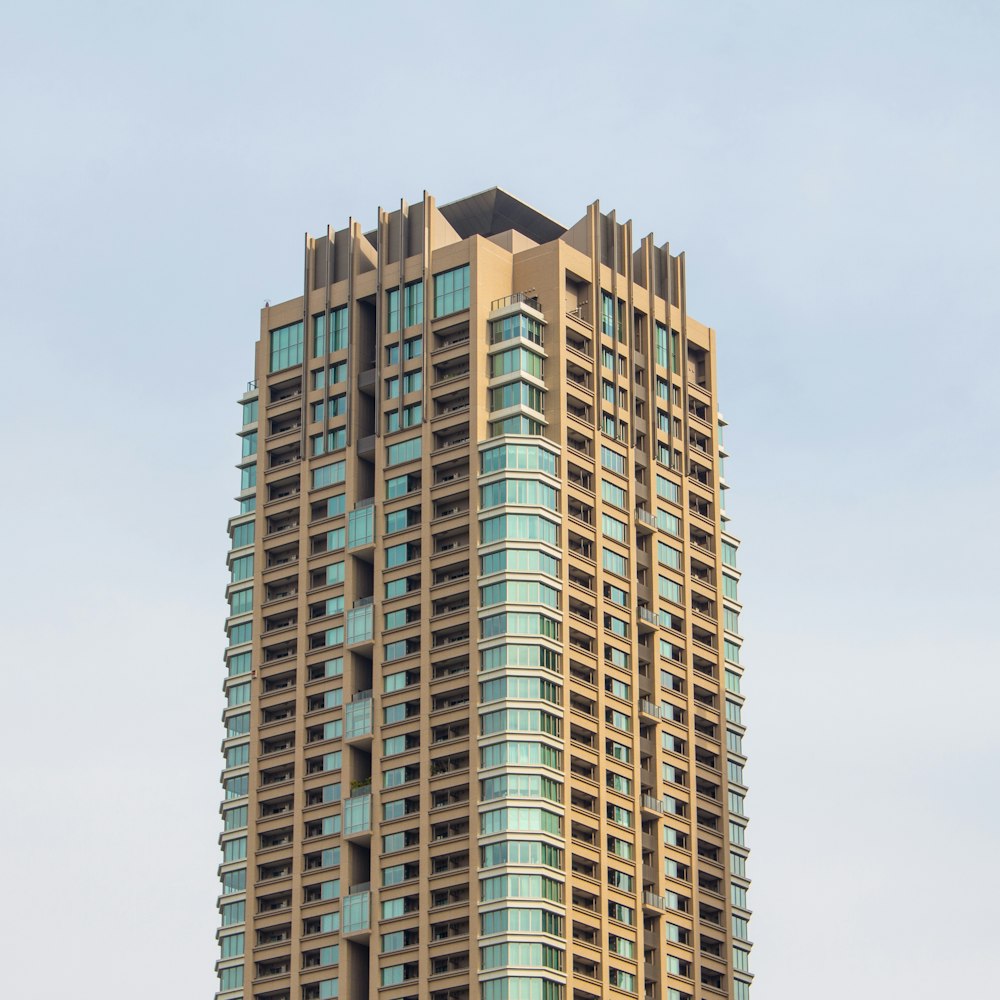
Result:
pixel 359 622
pixel 358 814
pixel 361 526
pixel 355 910
pixel 358 716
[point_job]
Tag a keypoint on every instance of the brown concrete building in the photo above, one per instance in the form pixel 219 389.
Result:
pixel 483 725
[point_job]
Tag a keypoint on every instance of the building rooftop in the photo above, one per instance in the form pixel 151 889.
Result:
pixel 495 211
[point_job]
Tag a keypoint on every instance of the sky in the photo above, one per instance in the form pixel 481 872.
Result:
pixel 830 171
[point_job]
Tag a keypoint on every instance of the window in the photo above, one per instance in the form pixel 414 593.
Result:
pixel 518 592
pixel 239 664
pixel 250 412
pixel 286 346
pixel 338 324
pixel 235 819
pixel 729 587
pixel 328 475
pixel 520 752
pixel 526 457
pixel 451 291
pixel 241 602
pixel 235 913
pixel 403 451
pixel 729 554
pixel 623 980
pixel 236 850
pixel 413 304
pixel 614 495
pixel 517 424
pixel 518 655
pixel 234 881
pixel 248 477
pixel 519 720
pixel 622 913
pixel 612 460
pixel 231 978
pixel 527 527
pixel 520 623
pixel 670 590
pixel 615 563
pixel 667 555
pixel 524 492
pixel 520 887
pixel 731 650
pixel 517 393
pixel 613 528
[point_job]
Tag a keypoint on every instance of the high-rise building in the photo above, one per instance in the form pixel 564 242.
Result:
pixel 483 734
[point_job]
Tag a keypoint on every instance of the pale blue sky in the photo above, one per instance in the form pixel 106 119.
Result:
pixel 831 171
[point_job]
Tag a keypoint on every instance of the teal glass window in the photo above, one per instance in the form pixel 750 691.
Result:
pixel 612 460
pixel 248 477
pixel 519 561
pixel 239 664
pixel 361 526
pixel 328 475
pixel 234 819
pixel 517 394
pixel 614 563
pixel 527 457
pixel 518 592
pixel 335 440
pixel 519 720
pixel 241 601
pixel 614 495
pixel 729 554
pixel 230 978
pixel 243 535
pixel 524 527
pixel 522 492
pixel 250 412
pixel 519 655
pixel 239 634
pixel 233 913
pixel 338 324
pixel 286 346
pixel 513 327
pixel 520 623
pixel 613 528
pixel 241 568
pixel 670 590
pixel 518 424
pixel 451 291
pixel 517 359
pixel 392 309
pixel 403 451
pixel 248 444
pixel 413 304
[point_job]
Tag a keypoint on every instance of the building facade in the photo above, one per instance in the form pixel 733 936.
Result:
pixel 483 734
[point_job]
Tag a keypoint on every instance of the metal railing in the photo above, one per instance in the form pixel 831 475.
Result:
pixel 516 299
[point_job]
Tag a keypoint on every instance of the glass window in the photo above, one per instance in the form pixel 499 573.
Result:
pixel 451 290
pixel 286 346
pixel 403 451
pixel 413 305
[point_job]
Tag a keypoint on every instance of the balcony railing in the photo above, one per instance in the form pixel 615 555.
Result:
pixel 517 298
